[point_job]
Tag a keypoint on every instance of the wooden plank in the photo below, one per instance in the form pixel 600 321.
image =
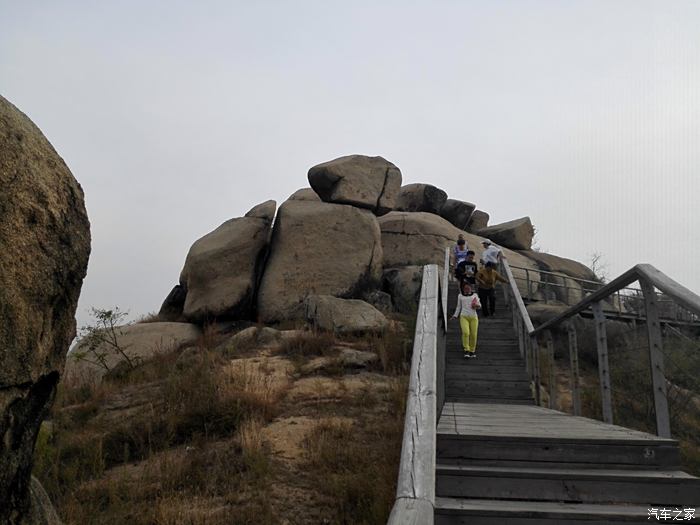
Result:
pixel 678 292
pixel 551 380
pixel 520 305
pixel 417 465
pixel 656 360
pixel 536 368
pixel 574 374
pixel 603 366
pixel 409 511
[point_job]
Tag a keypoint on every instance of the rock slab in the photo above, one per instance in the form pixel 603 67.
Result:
pixel 45 245
pixel 478 221
pixel 457 212
pixel 421 197
pixel 343 316
pixel 318 248
pixel 221 270
pixel 366 182
pixel 139 341
pixel 516 234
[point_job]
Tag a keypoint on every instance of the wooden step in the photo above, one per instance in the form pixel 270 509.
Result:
pixel 461 449
pixel 603 485
pixel 457 511
pixel 491 401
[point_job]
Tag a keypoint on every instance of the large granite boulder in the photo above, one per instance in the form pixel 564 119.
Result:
pixel 403 284
pixel 457 212
pixel 343 316
pixel 304 194
pixel 44 250
pixel 416 238
pixel 554 263
pixel 139 342
pixel 366 182
pixel 516 234
pixel 478 220
pixel 318 248
pixel 421 197
pixel 410 239
pixel 222 268
pixel 562 283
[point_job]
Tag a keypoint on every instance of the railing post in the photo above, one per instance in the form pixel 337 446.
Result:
pixel 536 367
pixel 573 361
pixel 529 284
pixel 656 360
pixel 552 375
pixel 603 366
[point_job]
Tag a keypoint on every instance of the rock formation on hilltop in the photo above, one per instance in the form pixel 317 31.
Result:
pixel 355 234
pixel 45 240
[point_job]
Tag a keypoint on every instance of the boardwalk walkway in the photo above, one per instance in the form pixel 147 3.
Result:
pixel 503 460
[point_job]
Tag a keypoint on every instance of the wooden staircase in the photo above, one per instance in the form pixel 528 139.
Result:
pixel 503 460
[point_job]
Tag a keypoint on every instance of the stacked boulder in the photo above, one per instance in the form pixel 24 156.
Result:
pixel 342 252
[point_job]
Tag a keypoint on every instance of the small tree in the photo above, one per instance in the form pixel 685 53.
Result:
pixel 599 267
pixel 100 339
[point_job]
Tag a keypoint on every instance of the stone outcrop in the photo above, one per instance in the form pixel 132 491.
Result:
pixel 174 303
pixel 410 239
pixel 516 234
pixel 139 341
pixel 554 263
pixel 304 194
pixel 221 270
pixel 457 213
pixel 403 284
pixel 343 316
pixel 318 248
pixel 366 182
pixel 421 198
pixel 478 221
pixel 44 250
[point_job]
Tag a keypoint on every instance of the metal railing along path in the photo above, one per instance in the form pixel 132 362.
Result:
pixel 649 279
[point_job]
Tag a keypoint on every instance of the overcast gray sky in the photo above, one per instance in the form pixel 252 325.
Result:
pixel 176 116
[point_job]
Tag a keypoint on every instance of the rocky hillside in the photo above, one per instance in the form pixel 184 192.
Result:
pixel 337 256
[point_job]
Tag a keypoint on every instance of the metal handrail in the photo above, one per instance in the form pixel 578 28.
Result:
pixel 688 299
pixel 626 297
pixel 649 279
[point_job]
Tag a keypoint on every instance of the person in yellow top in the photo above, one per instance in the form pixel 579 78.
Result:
pixel 486 278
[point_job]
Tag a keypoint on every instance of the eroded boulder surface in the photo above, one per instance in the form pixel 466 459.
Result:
pixel 478 220
pixel 174 303
pixel 304 194
pixel 457 213
pixel 516 234
pixel 421 197
pixel 139 342
pixel 221 270
pixel 366 182
pixel 318 248
pixel 343 316
pixel 554 263
pixel 403 284
pixel 415 238
pixel 45 245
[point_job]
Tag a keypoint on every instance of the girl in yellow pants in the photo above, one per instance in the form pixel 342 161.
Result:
pixel 467 305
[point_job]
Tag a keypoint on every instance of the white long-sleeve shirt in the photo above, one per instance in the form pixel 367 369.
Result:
pixel 466 304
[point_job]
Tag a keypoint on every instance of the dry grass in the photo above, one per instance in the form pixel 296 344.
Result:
pixel 183 439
